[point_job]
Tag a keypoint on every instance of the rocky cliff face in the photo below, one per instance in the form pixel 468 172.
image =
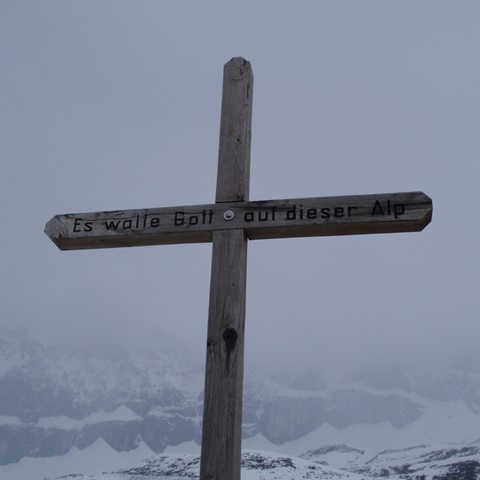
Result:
pixel 288 418
pixel 52 400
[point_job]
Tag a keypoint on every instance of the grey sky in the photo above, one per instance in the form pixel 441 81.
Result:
pixel 115 105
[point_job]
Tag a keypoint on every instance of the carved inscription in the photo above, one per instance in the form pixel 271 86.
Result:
pixel 206 217
pixel 263 219
pixel 395 209
pixel 191 219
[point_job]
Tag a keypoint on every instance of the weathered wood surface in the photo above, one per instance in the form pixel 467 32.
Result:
pixel 233 175
pixel 301 217
pixel 222 415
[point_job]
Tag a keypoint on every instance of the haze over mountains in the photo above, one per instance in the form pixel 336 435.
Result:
pixel 56 403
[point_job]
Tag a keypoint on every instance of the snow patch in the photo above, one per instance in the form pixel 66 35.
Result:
pixel 96 458
pixel 6 420
pixel 120 414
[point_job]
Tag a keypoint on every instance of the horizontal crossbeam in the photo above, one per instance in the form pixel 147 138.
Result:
pixel 301 217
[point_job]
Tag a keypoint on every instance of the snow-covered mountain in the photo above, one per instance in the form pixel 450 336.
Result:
pixel 415 463
pixel 57 404
pixel 255 466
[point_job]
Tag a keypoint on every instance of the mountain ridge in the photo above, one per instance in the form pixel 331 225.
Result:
pixel 53 400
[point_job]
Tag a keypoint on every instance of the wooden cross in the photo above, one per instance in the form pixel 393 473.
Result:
pixel 229 224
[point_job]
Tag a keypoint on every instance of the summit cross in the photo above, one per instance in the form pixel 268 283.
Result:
pixel 229 223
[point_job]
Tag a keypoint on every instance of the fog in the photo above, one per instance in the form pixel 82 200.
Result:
pixel 116 105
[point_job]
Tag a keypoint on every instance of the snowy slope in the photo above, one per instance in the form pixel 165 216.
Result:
pixel 420 462
pixel 415 463
pixel 255 466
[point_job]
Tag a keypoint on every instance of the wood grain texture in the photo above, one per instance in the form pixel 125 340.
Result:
pixel 233 175
pixel 222 416
pixel 301 217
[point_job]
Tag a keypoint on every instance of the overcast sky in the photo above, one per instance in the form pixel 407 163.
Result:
pixel 110 105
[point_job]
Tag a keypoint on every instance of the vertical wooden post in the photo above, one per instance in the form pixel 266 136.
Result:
pixel 222 414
